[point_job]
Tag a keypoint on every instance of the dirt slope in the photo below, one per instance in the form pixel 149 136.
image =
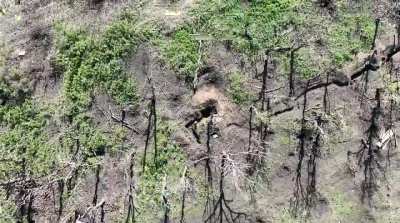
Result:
pixel 28 33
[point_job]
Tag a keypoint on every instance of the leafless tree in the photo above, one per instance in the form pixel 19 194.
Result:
pixel 222 211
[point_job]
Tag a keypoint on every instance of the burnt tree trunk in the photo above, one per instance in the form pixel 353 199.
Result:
pixel 102 213
pixel 29 218
pixel 222 212
pixel 166 205
pixel 291 74
pixel 367 155
pixel 60 199
pixel 292 70
pixel 250 130
pixel 326 102
pixel 299 191
pixel 264 82
pixel 153 103
pixel 182 219
pixel 311 190
pixel 377 21
pixel 131 217
pixel 96 187
pixel 263 93
pixel 208 171
pixel 146 144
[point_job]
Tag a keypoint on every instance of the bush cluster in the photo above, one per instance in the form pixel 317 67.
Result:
pixel 92 63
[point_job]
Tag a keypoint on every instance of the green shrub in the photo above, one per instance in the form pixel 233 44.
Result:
pixel 97 63
pixel 351 35
pixel 7 208
pixel 344 209
pixel 91 140
pixel 171 162
pixel 14 85
pixel 182 53
pixel 237 90
pixel 25 147
pixel 268 21
pixel 259 25
pixel 307 63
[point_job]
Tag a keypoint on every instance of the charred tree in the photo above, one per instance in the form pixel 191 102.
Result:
pixel 222 211
pixel 102 213
pixel 377 21
pixel 262 96
pixel 148 130
pixel 299 190
pixel 151 127
pixel 264 81
pixel 372 64
pixel 291 74
pixel 166 204
pixel 29 213
pixel 250 133
pixel 326 102
pixel 123 115
pixel 182 218
pixel 60 198
pixel 292 70
pixel 96 187
pixel 209 151
pixel 131 216
pixel 208 171
pixel 314 155
pixel 153 105
pixel 152 119
pixel 368 154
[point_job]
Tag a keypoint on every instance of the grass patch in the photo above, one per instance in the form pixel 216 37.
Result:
pixel 24 146
pixel 97 63
pixel 237 90
pixel 171 163
pixel 343 209
pixel 182 53
pixel 351 35
pixel 168 180
pixel 251 27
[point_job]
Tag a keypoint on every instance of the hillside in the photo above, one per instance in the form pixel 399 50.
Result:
pixel 192 111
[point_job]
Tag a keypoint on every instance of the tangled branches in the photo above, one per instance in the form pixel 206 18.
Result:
pixel 221 209
pixel 368 155
pixel 310 143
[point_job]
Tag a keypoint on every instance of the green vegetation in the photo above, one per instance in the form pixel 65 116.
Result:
pixel 304 65
pixel 41 143
pixel 259 25
pixel 28 147
pixel 286 217
pixel 163 180
pixel 182 53
pixel 7 208
pixel 352 34
pixel 272 24
pixel 92 63
pixel 5 5
pixel 92 141
pixel 344 209
pixel 268 21
pixel 24 146
pixel 237 90
pixel 13 84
